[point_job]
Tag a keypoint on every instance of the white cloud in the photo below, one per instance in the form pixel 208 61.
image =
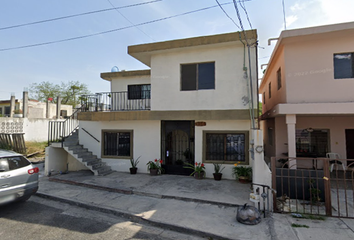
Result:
pixel 338 11
pixel 291 19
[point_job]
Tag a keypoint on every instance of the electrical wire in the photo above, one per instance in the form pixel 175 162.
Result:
pixel 130 21
pixel 243 6
pixel 77 15
pixel 110 31
pixel 227 15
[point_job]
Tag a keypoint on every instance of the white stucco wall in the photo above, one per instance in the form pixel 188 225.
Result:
pixel 35 129
pixel 219 126
pixel 146 141
pixel 121 84
pixel 230 86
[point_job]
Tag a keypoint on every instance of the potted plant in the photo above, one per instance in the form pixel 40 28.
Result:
pixel 217 171
pixel 134 163
pixel 155 167
pixel 242 173
pixel 17 113
pixel 198 170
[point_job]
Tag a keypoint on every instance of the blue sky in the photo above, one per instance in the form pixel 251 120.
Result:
pixel 84 59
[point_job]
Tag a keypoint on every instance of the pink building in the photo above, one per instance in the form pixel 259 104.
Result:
pixel 307 93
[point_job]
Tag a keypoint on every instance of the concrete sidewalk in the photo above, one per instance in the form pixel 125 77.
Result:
pixel 199 207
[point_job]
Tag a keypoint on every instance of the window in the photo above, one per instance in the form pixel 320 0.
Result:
pixel 343 65
pixel 312 143
pixel 225 146
pixel 264 102
pixel 270 90
pixel 279 78
pixel 139 91
pixel 7 110
pixel 13 163
pixel 117 143
pixel 198 76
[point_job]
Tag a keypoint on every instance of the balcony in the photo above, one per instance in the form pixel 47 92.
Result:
pixel 117 101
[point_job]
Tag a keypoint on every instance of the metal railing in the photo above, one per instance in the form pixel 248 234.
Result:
pixel 117 101
pixel 59 130
pixel 317 186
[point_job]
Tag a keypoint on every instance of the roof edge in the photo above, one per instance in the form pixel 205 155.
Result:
pixel 195 41
pixel 109 75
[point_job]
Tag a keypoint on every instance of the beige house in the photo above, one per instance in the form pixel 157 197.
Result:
pixel 192 105
pixel 307 93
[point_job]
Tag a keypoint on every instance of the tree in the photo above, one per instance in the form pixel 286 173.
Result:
pixel 69 92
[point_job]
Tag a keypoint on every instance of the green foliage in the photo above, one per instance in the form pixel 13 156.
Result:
pixel 315 192
pixel 260 108
pixel 241 171
pixel 69 92
pixel 217 168
pixel 133 162
pixel 156 164
pixel 299 225
pixel 198 167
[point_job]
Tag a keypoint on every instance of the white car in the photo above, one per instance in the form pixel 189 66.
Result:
pixel 18 177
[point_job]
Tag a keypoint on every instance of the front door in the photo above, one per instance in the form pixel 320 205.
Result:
pixel 177 146
pixel 349 139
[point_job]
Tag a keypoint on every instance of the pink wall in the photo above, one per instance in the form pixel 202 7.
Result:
pixel 309 69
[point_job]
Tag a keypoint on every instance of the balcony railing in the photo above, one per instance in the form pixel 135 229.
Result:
pixel 117 101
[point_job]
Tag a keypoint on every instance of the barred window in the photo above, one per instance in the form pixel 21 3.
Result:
pixel 139 91
pixel 224 146
pixel 117 143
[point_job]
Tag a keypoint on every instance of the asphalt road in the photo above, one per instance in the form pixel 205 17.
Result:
pixel 45 219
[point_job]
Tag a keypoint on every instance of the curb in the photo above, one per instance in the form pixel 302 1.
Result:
pixel 130 192
pixel 134 218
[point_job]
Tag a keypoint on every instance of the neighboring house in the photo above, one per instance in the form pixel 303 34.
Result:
pixel 307 93
pixel 191 106
pixel 30 117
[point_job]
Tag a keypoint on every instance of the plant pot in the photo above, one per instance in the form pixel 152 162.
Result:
pixel 133 170
pixel 217 176
pixel 154 172
pixel 243 179
pixel 198 175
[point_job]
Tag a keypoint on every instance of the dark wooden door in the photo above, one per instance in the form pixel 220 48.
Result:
pixel 349 139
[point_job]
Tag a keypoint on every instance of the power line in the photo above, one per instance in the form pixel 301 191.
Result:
pixel 130 21
pixel 227 14
pixel 77 15
pixel 110 31
pixel 243 6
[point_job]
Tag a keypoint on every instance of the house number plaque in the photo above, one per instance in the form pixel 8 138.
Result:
pixel 200 124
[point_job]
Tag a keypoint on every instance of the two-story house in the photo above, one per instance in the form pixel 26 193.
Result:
pixel 307 97
pixel 192 105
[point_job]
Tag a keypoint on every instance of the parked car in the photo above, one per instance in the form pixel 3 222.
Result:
pixel 18 177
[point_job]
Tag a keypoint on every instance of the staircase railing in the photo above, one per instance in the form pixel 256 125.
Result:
pixel 59 130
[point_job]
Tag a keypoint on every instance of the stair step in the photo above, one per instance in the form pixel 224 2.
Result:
pixel 98 165
pixel 79 150
pixel 93 162
pixel 84 154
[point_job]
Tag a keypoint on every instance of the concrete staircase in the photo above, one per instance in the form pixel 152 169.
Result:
pixel 83 155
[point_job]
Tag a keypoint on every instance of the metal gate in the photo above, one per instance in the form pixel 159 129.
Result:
pixel 319 186
pixel 177 146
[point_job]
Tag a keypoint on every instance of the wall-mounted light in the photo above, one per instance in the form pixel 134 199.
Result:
pixel 309 129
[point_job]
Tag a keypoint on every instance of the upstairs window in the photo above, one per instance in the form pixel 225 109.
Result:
pixel 343 65
pixel 270 90
pixel 197 76
pixel 139 91
pixel 264 97
pixel 279 78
